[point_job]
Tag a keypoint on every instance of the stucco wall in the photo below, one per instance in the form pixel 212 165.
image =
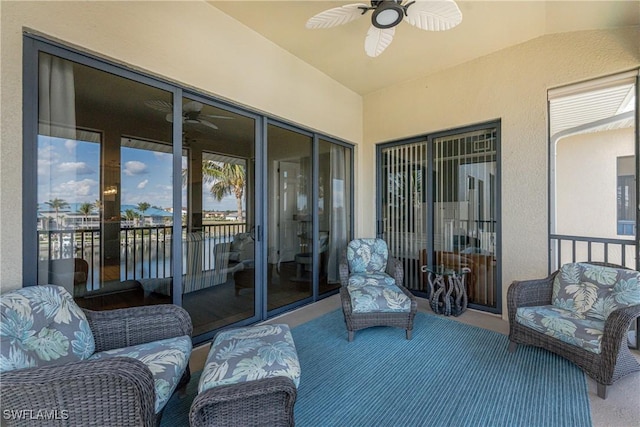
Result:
pixel 586 181
pixel 511 85
pixel 191 43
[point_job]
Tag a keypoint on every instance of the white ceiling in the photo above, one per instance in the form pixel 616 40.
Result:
pixel 487 26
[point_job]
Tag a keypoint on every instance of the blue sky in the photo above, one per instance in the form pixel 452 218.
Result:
pixel 70 170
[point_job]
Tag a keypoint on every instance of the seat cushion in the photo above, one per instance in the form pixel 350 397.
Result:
pixel 376 292
pixel 167 359
pixel 251 353
pixel 595 291
pixel 565 325
pixel 367 255
pixel 372 279
pixel 40 326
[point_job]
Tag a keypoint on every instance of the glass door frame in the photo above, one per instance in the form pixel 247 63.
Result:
pixel 258 203
pixel 428 139
pixel 264 231
pixel 32 47
pixel 33 44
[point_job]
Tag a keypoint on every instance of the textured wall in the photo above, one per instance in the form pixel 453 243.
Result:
pixel 576 158
pixel 189 42
pixel 510 85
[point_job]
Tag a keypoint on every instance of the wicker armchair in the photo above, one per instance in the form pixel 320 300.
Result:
pixel 77 388
pixel 362 264
pixel 613 361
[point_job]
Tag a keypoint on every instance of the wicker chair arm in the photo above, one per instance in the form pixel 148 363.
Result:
pixel 138 325
pixel 529 293
pixel 616 328
pixel 345 298
pixel 247 394
pixel 395 270
pixel 113 391
pixel 344 268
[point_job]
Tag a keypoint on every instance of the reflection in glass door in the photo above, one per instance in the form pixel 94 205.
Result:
pixel 334 211
pixel 218 240
pixel 438 205
pixel 103 186
pixel 147 194
pixel 464 209
pixel 290 256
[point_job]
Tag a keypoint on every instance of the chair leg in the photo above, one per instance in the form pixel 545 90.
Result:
pixel 602 391
pixel 512 346
pixel 409 333
pixel 350 336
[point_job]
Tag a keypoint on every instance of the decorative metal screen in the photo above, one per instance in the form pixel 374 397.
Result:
pixel 404 208
pixel 464 209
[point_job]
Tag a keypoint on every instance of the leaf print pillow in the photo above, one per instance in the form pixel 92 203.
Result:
pixel 42 325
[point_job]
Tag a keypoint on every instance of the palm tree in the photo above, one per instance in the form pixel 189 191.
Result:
pixel 142 207
pixel 85 209
pixel 130 215
pixel 228 179
pixel 98 205
pixel 57 204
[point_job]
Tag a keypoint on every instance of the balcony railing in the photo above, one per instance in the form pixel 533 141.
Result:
pixel 566 249
pixel 145 252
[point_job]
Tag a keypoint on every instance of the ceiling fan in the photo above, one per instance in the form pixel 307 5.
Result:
pixel 191 112
pixel 430 15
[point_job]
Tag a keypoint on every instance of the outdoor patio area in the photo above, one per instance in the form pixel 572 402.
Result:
pixel 390 213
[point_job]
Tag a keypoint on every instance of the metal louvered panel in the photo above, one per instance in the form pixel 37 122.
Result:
pixel 404 208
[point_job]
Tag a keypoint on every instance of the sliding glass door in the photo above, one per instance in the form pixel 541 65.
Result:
pixel 438 205
pixel 218 282
pixel 403 214
pixel 140 192
pixel 334 211
pixel 104 186
pixel 290 268
pixel 465 209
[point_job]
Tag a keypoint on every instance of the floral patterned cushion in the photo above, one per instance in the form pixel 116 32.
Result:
pixel 593 291
pixel 251 353
pixel 376 292
pixel 167 359
pixel 565 325
pixel 42 325
pixel 367 255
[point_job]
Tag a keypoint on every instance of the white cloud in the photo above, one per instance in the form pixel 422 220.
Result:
pixel 134 167
pixel 79 168
pixel 73 190
pixel 47 157
pixel 70 144
pixel 143 184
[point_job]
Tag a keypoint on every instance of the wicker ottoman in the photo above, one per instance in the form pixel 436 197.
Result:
pixel 250 378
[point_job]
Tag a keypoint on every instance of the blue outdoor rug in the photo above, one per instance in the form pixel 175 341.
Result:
pixel 449 374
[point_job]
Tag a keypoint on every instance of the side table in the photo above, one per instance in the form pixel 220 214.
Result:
pixel 447 289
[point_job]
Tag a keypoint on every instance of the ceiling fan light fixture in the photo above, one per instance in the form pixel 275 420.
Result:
pixel 387 14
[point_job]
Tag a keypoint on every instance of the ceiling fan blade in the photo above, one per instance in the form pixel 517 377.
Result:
pixel 208 124
pixel 159 105
pixel 337 16
pixel 377 40
pixel 191 107
pixel 433 15
pixel 216 117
